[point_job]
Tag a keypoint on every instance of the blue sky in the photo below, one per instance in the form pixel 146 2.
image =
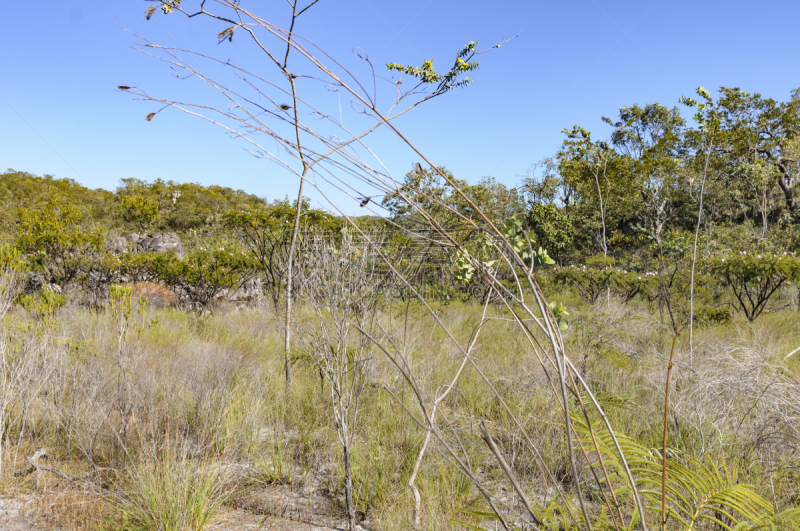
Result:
pixel 571 63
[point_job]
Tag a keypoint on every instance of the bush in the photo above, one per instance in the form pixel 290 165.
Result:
pixel 203 274
pixel 599 276
pixel 55 241
pixel 553 231
pixel 754 278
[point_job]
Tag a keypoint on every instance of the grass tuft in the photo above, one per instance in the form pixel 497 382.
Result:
pixel 169 494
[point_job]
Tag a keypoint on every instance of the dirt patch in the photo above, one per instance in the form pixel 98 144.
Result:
pixel 20 513
pixel 278 508
pixel 281 507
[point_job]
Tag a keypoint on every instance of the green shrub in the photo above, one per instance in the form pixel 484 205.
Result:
pixel 553 231
pixel 203 274
pixel 599 276
pixel 754 278
pixel 55 240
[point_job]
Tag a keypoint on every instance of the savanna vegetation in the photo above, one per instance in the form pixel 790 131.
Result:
pixel 614 343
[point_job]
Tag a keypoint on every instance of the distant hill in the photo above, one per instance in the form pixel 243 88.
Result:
pixel 136 205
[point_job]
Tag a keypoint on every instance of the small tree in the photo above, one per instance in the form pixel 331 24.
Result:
pixel 266 236
pixel 553 231
pixel 56 242
pixel 140 210
pixel 599 275
pixel 599 179
pixel 754 278
pixel 203 274
pixel 649 139
pixel 342 286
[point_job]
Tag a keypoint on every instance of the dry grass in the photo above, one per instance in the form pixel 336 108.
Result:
pixel 157 294
pixel 214 388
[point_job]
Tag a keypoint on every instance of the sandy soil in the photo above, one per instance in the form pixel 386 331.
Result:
pixel 278 508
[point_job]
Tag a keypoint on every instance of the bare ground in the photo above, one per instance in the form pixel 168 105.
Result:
pixel 276 507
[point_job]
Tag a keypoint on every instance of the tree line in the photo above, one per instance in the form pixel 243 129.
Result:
pixel 624 206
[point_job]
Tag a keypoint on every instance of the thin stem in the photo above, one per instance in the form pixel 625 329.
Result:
pixel 287 343
pixel 664 438
pixel 694 252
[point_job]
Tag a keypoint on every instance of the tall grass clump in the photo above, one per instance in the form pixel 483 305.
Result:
pixel 169 494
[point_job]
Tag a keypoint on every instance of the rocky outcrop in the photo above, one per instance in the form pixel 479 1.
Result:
pixel 34 282
pixel 158 242
pixel 116 245
pixel 251 290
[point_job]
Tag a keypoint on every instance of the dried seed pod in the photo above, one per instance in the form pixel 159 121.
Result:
pixel 226 34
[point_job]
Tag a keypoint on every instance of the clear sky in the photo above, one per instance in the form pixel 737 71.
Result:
pixel 571 63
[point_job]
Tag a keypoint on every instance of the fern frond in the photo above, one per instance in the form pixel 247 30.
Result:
pixel 697 489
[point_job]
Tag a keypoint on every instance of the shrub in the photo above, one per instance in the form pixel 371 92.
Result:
pixel 553 231
pixel 754 278
pixel 55 241
pixel 599 276
pixel 139 210
pixel 265 234
pixel 203 274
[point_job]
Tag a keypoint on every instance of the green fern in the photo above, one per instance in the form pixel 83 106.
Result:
pixel 553 518
pixel 697 490
pixel 701 494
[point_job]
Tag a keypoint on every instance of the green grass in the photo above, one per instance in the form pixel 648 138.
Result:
pixel 169 494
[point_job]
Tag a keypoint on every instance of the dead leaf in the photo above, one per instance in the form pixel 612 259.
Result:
pixel 226 34
pixel 150 116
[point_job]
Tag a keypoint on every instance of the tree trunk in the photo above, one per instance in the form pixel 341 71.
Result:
pixel 787 186
pixel 348 488
pixel 289 270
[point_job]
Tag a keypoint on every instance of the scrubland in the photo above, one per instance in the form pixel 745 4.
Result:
pixel 187 419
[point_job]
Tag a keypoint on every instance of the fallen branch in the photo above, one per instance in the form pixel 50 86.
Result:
pixel 789 355
pixel 34 466
pixel 41 452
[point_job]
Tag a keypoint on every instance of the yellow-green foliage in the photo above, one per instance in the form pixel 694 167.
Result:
pixel 754 278
pixel 698 489
pixel 599 276
pixel 169 494
pixel 203 273
pixel 20 190
pixel 55 239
